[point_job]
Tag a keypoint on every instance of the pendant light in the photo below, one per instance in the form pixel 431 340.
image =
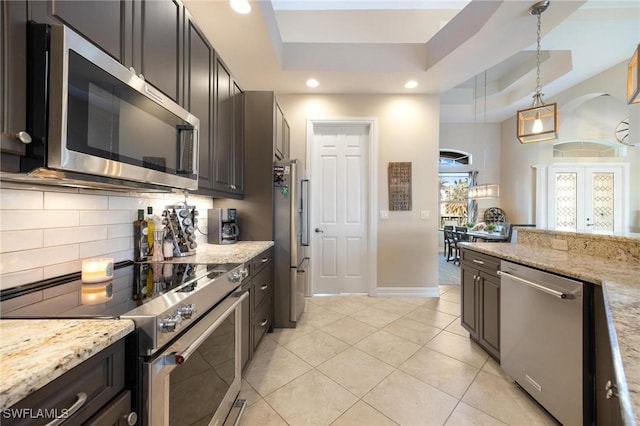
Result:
pixel 540 122
pixel 633 79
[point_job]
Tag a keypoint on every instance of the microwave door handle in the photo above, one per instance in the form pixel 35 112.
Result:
pixel 187 150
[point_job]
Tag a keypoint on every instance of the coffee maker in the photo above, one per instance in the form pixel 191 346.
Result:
pixel 223 228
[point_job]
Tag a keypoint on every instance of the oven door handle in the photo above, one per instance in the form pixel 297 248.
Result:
pixel 233 301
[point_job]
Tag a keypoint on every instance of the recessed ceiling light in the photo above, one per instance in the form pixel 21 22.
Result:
pixel 411 84
pixel 240 6
pixel 312 82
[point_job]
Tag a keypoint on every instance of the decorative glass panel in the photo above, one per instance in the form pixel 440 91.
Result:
pixel 603 197
pixel 566 201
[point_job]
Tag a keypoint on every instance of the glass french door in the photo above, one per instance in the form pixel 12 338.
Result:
pixel 585 198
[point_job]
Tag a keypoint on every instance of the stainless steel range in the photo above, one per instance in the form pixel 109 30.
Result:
pixel 185 354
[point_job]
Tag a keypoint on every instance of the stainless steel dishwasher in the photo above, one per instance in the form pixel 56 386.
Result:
pixel 541 332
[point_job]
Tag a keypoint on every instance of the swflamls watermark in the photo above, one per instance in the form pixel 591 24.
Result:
pixel 35 413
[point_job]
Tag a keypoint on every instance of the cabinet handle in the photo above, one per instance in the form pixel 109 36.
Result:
pixel 264 260
pixel 264 322
pixel 131 418
pixel 24 137
pixel 264 287
pixel 478 261
pixel 82 398
pixel 475 277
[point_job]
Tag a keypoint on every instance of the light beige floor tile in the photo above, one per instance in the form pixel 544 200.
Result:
pixel 492 367
pixel 261 414
pixel 431 317
pixel 413 331
pixel 388 347
pixel 396 306
pixel 458 347
pixel 375 317
pixel 270 370
pixel 451 308
pixel 316 347
pixel 362 414
pixel 346 305
pixel 466 415
pixel 357 371
pixel 456 328
pixel 311 399
pixel 287 335
pixel 349 330
pixel 409 401
pixel 248 393
pixel 414 300
pixel 266 344
pixel 319 317
pixel 505 401
pixel 446 287
pixel 452 295
pixel 443 372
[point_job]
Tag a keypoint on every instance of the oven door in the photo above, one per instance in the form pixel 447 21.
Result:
pixel 197 378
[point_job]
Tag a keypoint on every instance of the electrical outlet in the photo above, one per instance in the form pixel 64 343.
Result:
pixel 384 214
pixel 559 244
pixel 424 214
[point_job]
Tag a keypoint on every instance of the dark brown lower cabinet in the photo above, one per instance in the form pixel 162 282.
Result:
pixel 480 299
pixel 606 392
pixel 96 387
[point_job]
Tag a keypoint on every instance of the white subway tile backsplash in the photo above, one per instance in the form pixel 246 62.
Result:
pixel 103 248
pixel 62 236
pixel 46 232
pixel 13 199
pixel 29 259
pixel 16 220
pixel 62 201
pixel 20 240
pixel 104 217
pixel 19 278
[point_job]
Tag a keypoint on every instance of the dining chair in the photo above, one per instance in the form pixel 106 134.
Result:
pixel 446 240
pixel 453 251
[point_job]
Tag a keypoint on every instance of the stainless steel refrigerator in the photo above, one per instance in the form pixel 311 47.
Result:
pixel 291 235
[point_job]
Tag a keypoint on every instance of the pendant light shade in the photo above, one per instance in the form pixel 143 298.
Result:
pixel 633 79
pixel 539 122
pixel 488 190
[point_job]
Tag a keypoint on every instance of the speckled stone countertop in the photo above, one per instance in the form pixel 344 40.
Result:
pixel 240 252
pixel 620 281
pixel 35 352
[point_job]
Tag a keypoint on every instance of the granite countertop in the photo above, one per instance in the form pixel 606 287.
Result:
pixel 35 352
pixel 25 364
pixel 620 281
pixel 241 251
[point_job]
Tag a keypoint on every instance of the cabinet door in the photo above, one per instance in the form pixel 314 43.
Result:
pixel 223 143
pixel 286 137
pixel 490 313
pixel 105 23
pixel 469 298
pixel 279 141
pixel 13 84
pixel 199 73
pixel 238 139
pixel 157 44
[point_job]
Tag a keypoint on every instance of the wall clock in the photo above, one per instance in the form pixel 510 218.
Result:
pixel 622 131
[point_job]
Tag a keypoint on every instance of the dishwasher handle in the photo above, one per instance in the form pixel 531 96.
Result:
pixel 555 293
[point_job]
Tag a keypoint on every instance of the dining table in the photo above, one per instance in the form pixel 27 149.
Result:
pixel 487 236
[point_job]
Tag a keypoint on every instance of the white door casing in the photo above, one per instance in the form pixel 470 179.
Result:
pixel 581 182
pixel 339 157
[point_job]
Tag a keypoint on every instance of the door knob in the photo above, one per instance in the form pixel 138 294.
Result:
pixel 319 230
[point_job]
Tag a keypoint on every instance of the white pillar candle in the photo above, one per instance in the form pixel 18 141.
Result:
pixel 97 270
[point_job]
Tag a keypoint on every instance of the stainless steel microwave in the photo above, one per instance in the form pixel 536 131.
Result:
pixel 95 123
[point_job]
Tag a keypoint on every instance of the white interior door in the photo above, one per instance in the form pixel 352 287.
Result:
pixel 339 207
pixel 586 198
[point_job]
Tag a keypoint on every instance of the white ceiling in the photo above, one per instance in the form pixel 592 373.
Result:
pixel 375 46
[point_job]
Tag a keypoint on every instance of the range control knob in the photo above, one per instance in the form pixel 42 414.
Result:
pixel 187 311
pixel 170 323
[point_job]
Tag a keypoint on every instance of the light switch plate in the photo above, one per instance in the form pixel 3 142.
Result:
pixel 424 214
pixel 384 214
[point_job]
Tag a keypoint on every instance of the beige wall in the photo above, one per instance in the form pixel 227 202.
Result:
pixel 407 130
pixel 581 117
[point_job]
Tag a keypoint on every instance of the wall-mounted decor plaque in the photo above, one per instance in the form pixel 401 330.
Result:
pixel 399 175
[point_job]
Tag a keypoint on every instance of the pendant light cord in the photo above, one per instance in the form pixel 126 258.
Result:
pixel 538 88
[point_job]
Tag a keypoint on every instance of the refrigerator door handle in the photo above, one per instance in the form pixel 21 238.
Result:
pixel 304 211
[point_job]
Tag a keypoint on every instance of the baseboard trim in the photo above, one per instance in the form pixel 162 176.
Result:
pixel 407 292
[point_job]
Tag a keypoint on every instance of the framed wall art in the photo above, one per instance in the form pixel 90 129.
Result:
pixel 399 181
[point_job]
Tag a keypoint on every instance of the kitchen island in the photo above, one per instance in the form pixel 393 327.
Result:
pixel 619 276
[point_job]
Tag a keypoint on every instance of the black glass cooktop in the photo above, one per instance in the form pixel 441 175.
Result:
pixel 132 285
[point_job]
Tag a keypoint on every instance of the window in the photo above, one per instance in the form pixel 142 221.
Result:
pixel 454 204
pixel 454 158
